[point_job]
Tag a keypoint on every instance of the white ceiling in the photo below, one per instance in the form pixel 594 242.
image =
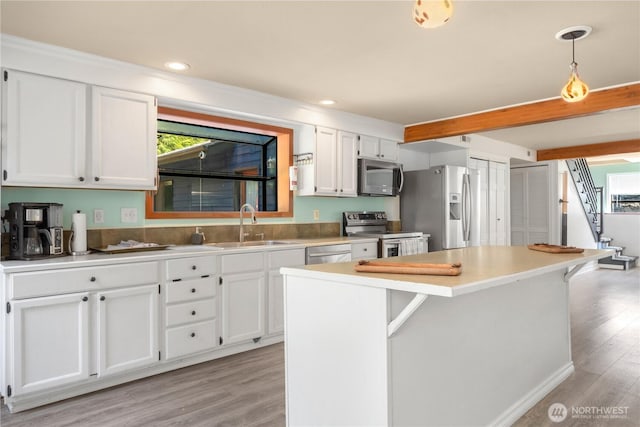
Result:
pixel 368 55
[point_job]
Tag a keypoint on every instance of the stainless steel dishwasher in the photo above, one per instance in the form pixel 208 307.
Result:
pixel 328 253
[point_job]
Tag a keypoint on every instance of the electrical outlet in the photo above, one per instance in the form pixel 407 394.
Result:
pixel 316 214
pixel 98 216
pixel 129 215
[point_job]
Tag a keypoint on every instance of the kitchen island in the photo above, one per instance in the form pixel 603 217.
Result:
pixel 480 348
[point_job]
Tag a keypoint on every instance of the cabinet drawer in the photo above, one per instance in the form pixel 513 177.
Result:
pixel 189 312
pixel 286 258
pixel 184 340
pixel 364 250
pixel 240 263
pixel 53 282
pixel 190 267
pixel 189 290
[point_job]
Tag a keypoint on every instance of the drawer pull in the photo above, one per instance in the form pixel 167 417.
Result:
pixel 193 334
pixel 102 298
pixel 92 279
pixel 193 267
pixel 193 290
pixel 193 313
pixel 85 299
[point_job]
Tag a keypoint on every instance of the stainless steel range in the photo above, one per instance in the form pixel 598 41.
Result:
pixel 374 224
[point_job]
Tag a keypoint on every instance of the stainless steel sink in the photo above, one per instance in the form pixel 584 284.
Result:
pixel 248 244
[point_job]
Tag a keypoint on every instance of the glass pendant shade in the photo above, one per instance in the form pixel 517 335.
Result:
pixel 575 90
pixel 432 14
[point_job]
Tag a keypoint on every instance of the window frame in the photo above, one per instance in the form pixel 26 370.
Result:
pixel 284 143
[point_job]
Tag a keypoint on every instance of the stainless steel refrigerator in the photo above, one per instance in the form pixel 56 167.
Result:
pixel 440 201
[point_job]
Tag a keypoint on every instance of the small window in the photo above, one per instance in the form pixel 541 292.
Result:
pixel 210 166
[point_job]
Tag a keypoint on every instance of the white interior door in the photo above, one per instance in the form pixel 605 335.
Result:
pixel 530 205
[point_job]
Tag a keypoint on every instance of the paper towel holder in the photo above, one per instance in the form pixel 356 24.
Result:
pixel 71 235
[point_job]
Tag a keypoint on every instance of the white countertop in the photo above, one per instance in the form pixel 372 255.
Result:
pixel 178 251
pixel 482 267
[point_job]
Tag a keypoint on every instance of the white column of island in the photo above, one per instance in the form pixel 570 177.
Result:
pixel 481 348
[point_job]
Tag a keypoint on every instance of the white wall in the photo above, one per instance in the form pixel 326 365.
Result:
pixel 624 229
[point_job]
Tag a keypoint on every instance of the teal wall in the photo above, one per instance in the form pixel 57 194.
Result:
pixel 599 173
pixel 111 201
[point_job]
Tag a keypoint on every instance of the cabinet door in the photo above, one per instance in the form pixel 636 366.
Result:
pixel 275 324
pixel 369 147
pixel 389 150
pixel 127 329
pixel 347 164
pixel 326 162
pixel 44 131
pixel 123 144
pixel 49 342
pixel 243 307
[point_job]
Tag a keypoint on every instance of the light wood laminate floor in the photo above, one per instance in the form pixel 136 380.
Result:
pixel 248 389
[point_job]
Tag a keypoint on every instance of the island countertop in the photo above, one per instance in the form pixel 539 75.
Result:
pixel 482 268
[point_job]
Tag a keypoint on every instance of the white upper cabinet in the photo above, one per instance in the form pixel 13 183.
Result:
pixel 61 133
pixel 370 147
pixel 123 148
pixel 326 162
pixel 347 164
pixel 45 132
pixel 335 164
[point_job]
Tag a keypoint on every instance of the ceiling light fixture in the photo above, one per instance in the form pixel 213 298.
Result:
pixel 575 90
pixel 327 102
pixel 177 66
pixel 432 14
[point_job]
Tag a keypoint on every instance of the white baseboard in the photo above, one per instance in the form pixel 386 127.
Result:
pixel 518 409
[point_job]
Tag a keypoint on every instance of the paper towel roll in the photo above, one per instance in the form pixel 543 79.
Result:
pixel 79 228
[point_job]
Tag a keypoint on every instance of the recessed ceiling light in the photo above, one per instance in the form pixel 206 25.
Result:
pixel 177 66
pixel 327 102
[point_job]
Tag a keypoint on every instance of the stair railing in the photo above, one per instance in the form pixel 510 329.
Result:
pixel 588 194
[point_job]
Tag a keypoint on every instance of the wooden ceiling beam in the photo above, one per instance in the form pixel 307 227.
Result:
pixel 527 114
pixel 590 150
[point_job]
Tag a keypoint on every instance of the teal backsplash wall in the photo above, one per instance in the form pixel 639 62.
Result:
pixel 599 173
pixel 111 201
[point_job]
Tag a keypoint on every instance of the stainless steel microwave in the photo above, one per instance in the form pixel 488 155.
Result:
pixel 376 178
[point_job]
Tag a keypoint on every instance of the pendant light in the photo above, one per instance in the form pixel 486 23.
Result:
pixel 575 90
pixel 432 14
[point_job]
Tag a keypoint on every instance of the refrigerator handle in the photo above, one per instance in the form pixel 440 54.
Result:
pixel 466 207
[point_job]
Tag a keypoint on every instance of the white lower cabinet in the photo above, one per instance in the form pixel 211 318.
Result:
pixel 74 330
pixel 49 343
pixel 243 307
pixel 190 311
pixel 127 329
pixel 275 297
pixel 360 250
pixel 242 289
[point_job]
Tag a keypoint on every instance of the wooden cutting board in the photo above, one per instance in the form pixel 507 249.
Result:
pixel 409 268
pixel 555 249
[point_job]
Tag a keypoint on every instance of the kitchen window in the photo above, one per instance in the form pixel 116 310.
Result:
pixel 209 166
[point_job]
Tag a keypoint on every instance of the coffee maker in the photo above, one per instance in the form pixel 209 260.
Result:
pixel 35 230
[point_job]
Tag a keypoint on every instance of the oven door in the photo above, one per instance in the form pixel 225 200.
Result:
pixel 399 247
pixel 389 248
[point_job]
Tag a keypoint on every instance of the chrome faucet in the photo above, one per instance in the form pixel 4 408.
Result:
pixel 253 219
